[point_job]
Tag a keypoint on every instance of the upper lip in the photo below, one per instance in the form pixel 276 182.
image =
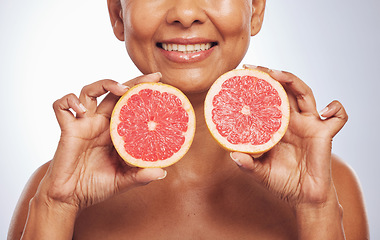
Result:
pixel 187 41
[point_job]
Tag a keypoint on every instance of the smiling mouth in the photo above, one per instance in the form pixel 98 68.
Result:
pixel 186 48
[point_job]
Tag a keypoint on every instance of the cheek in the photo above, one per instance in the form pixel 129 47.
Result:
pixel 237 33
pixel 135 22
pixel 233 21
pixel 138 34
pixel 233 18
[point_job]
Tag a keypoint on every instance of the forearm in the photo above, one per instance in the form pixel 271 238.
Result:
pixel 49 220
pixel 322 221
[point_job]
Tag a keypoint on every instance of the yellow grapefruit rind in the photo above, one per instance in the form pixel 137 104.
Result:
pixel 254 150
pixel 119 142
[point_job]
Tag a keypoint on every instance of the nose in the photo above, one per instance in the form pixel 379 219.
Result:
pixel 186 13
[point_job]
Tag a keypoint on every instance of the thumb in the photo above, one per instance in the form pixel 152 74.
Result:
pixel 139 176
pixel 146 175
pixel 248 164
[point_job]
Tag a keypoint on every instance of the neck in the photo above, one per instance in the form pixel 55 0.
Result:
pixel 206 158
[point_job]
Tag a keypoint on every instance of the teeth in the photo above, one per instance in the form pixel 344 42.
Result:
pixel 181 48
pixel 190 48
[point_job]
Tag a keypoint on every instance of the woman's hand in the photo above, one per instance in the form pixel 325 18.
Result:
pixel 86 168
pixel 298 168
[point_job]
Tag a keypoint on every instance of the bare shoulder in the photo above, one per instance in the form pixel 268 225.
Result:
pixel 351 198
pixel 20 213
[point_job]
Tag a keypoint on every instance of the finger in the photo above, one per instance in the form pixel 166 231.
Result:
pixel 90 93
pixel 248 164
pixel 301 91
pixel 335 117
pixel 153 77
pixel 243 160
pixel 62 108
pixel 107 105
pixel 145 175
pixel 139 176
pixel 260 68
pixel 267 70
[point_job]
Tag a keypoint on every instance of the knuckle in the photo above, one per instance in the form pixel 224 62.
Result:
pixel 301 96
pixel 262 68
pixel 89 89
pixel 346 117
pixel 67 98
pixel 85 93
pixel 341 110
pixel 337 104
pixel 56 103
pixel 85 89
pixel 71 97
pixel 309 90
pixel 108 81
pixel 291 76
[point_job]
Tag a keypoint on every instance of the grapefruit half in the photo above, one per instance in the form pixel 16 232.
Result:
pixel 152 125
pixel 246 110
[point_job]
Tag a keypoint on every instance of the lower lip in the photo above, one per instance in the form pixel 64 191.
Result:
pixel 180 57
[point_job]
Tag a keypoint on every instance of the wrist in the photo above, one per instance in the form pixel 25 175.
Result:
pixel 49 219
pixel 53 193
pixel 322 212
pixel 47 203
pixel 322 220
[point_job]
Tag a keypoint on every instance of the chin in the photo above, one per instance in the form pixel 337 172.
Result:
pixel 188 87
pixel 194 80
pixel 190 83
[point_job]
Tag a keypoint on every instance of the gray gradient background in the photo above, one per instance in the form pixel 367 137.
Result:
pixel 49 48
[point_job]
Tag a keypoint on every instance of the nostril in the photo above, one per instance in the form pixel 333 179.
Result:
pixel 186 14
pixel 195 21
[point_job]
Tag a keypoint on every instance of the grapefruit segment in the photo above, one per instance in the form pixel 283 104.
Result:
pixel 246 110
pixel 152 125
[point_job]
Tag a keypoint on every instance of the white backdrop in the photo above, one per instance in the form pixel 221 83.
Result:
pixel 49 48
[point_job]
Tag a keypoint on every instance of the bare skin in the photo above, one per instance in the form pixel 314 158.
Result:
pixel 296 190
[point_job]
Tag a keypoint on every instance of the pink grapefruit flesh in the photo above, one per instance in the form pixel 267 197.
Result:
pixel 246 110
pixel 152 125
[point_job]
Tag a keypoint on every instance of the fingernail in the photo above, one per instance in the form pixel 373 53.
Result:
pixel 159 74
pixel 82 107
pixel 280 76
pixel 122 86
pixel 164 176
pixel 275 71
pixel 155 73
pixel 323 111
pixel 249 66
pixel 235 159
